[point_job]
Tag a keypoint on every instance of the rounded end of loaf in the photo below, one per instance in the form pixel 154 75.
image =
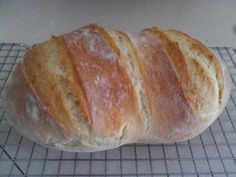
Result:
pixel 208 87
pixel 26 114
pixel 52 107
pixel 35 121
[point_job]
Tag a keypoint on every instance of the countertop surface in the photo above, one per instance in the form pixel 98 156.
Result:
pixel 212 22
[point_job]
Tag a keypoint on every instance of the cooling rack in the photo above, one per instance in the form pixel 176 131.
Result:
pixel 210 154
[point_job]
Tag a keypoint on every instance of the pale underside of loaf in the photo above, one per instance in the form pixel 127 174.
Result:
pixel 96 89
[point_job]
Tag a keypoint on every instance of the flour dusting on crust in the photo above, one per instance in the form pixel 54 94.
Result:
pixel 96 45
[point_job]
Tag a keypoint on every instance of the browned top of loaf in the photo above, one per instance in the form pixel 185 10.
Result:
pixel 108 90
pixel 204 87
pixel 43 76
pixel 167 102
pixel 83 81
pixel 89 66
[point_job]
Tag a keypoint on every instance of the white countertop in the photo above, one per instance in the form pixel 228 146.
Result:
pixel 213 22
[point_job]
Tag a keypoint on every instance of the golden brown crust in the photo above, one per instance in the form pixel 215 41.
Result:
pixel 44 83
pixel 201 48
pixel 162 88
pixel 95 89
pixel 137 77
pixel 130 63
pixel 206 70
pixel 110 95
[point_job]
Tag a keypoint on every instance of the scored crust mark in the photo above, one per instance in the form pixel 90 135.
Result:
pixel 180 67
pixel 205 69
pixel 162 88
pixel 109 91
pixel 176 59
pixel 41 75
pixel 74 96
pixel 126 47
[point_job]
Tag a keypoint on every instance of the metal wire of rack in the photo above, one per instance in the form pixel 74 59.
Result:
pixel 213 153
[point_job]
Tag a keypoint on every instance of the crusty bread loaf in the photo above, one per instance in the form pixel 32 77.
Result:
pixel 96 88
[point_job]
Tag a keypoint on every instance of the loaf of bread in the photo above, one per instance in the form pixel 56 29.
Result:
pixel 96 88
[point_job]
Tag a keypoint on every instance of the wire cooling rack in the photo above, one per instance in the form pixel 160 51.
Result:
pixel 213 153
